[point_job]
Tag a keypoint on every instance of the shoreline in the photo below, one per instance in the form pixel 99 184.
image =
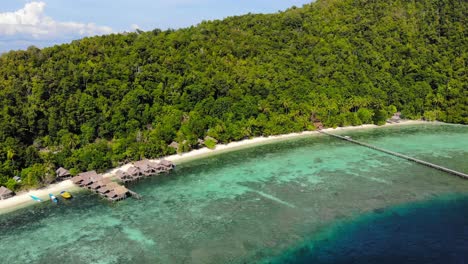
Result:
pixel 23 199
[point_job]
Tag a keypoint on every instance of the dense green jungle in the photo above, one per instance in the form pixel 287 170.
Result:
pixel 101 101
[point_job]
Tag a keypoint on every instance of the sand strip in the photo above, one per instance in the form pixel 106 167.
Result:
pixel 23 199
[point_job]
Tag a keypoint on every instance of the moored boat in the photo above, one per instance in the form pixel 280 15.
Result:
pixel 35 198
pixel 66 195
pixel 53 198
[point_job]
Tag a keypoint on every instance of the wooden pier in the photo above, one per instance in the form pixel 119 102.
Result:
pixel 396 154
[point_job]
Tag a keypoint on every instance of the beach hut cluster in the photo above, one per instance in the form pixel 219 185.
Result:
pixel 102 186
pixel 144 168
pixel 113 191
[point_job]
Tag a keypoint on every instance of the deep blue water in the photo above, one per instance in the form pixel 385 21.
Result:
pixel 435 231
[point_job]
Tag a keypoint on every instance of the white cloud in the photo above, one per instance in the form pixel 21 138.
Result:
pixel 134 27
pixel 31 22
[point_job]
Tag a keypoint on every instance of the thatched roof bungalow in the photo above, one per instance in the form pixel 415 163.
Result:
pixel 5 193
pixel 84 176
pixel 145 167
pixel 118 193
pixel 96 185
pixel 167 164
pixel 62 173
pixel 91 179
pixel 108 187
pixel 134 172
pixel 88 174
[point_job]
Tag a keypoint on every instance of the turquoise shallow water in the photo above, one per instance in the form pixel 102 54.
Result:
pixel 244 206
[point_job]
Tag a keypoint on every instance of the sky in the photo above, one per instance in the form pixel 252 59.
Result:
pixel 45 23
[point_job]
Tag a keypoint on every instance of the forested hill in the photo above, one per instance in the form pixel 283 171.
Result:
pixel 99 101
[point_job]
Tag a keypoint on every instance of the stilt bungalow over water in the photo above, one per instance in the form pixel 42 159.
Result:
pixel 97 185
pixel 108 188
pixel 83 176
pixel 117 194
pixel 123 176
pixel 114 191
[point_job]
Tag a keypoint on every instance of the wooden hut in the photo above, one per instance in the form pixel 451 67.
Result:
pixel 80 178
pixel 108 188
pixel 117 194
pixel 5 193
pixel 77 179
pixel 88 174
pixel 134 172
pixel 167 164
pixel 123 176
pixel 62 174
pixel 90 180
pixel 98 184
pixel 145 167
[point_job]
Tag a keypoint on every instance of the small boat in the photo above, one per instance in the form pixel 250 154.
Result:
pixel 53 198
pixel 66 195
pixel 35 198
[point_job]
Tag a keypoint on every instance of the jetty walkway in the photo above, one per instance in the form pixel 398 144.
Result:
pixel 396 154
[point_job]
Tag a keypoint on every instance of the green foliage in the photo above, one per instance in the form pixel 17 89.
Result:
pixel 101 101
pixel 11 184
pixel 365 115
pixel 210 143
pixel 380 117
pixel 430 115
pixel 37 175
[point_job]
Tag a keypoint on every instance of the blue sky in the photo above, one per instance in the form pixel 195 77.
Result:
pixel 47 22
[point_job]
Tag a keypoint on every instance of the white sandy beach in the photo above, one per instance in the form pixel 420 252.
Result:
pixel 24 199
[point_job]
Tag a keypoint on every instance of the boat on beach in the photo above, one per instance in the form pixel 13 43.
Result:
pixel 35 198
pixel 53 198
pixel 66 195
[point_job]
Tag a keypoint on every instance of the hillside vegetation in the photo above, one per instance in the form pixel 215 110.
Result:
pixel 99 101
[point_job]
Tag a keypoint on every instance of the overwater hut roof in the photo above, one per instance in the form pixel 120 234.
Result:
pixel 133 171
pixel 120 190
pixel 4 191
pixel 109 187
pixel 105 181
pixel 86 182
pixel 91 179
pixel 62 172
pixel 77 179
pixel 121 174
pixel 166 163
pixel 111 194
pixel 143 165
pixel 88 174
pixel 100 183
pixel 95 186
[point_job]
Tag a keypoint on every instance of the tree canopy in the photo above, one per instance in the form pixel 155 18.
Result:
pixel 100 101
